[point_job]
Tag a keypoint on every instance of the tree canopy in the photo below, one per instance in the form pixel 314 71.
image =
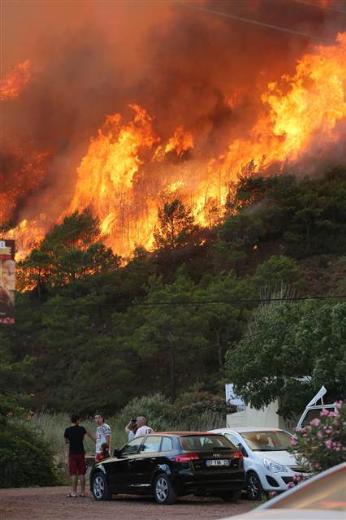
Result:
pixel 91 332
pixel 289 351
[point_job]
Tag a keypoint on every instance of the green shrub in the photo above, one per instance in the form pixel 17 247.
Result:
pixel 159 412
pixel 192 411
pixel 200 410
pixel 277 272
pixel 25 458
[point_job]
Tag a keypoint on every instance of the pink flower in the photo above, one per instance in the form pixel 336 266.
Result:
pixel 315 422
pixel 328 444
pixel 338 405
pixel 294 441
pixel 324 412
pixel 319 434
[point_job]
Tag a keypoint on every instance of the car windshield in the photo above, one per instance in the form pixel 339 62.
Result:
pixel 205 442
pixel 267 440
pixel 325 493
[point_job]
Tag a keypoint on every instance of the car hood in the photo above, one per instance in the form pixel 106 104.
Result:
pixel 107 461
pixel 281 457
pixel 290 514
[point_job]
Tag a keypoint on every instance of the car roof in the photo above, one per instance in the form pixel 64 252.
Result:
pixel 243 429
pixel 186 434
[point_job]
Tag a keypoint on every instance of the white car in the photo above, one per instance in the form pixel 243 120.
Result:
pixel 268 465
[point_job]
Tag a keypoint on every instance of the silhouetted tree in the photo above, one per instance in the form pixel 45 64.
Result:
pixel 176 226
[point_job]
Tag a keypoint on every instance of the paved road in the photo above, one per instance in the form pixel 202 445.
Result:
pixel 52 504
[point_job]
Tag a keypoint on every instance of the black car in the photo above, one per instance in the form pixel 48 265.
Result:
pixel 169 465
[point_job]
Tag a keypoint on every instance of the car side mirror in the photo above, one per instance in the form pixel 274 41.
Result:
pixel 242 449
pixel 117 453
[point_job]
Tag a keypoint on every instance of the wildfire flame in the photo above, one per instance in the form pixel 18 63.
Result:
pixel 106 175
pixel 128 171
pixel 296 111
pixel 180 143
pixel 14 82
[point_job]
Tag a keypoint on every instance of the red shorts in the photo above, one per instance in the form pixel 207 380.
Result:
pixel 76 462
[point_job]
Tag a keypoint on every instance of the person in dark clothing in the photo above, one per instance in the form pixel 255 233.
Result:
pixel 74 437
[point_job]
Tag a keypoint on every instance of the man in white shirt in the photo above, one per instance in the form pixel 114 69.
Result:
pixel 103 437
pixel 142 428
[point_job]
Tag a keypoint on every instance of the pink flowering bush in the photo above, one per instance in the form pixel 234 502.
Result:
pixel 297 479
pixel 322 443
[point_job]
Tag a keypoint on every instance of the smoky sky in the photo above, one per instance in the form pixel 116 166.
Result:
pixel 184 65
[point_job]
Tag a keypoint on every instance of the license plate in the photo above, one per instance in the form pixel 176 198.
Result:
pixel 218 462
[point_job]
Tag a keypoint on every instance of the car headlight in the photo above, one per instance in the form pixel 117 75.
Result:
pixel 274 467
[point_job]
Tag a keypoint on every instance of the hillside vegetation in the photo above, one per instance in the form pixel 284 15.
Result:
pixel 200 310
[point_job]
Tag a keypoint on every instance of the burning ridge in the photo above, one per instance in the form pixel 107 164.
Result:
pixel 141 157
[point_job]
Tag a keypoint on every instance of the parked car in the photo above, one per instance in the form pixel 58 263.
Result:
pixel 323 497
pixel 169 465
pixel 267 463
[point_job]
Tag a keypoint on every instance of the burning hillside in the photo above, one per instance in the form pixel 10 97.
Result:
pixel 122 148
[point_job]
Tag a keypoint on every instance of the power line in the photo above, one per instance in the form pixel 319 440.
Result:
pixel 208 302
pixel 239 301
pixel 256 22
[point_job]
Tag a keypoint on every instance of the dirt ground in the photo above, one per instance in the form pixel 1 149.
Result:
pixel 52 504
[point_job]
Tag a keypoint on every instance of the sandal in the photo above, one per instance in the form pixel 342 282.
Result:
pixel 82 495
pixel 71 495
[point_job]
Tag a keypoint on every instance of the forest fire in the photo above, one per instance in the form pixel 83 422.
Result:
pixel 12 84
pixel 301 110
pixel 134 161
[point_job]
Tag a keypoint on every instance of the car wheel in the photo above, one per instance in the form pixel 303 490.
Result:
pixel 163 490
pixel 253 486
pixel 100 488
pixel 231 496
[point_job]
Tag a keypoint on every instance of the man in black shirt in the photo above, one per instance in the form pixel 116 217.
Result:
pixel 74 436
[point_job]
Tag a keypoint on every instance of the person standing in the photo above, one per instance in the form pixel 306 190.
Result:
pixel 74 437
pixel 131 429
pixel 142 428
pixel 103 436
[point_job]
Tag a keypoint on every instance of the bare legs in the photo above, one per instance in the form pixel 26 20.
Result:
pixel 74 480
pixel 82 485
pixel 74 485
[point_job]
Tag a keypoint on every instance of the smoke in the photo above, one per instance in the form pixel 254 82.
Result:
pixel 91 58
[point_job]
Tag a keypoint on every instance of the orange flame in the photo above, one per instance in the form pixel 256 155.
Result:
pixel 128 171
pixel 14 82
pixel 296 112
pixel 181 142
pixel 27 234
pixel 106 175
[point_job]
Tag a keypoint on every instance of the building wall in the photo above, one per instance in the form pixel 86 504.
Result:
pixel 265 418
